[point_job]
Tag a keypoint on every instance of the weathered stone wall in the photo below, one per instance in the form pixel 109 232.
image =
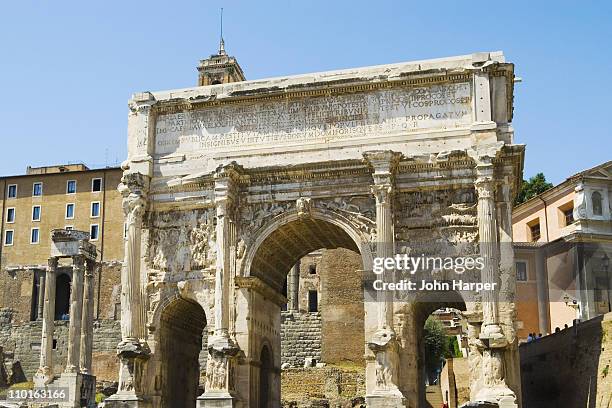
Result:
pixel 23 342
pixel 569 369
pixel 108 304
pixel 342 307
pixel 301 387
pixel 300 337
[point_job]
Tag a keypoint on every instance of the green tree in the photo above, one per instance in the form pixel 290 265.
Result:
pixel 529 189
pixel 436 346
pixel 453 347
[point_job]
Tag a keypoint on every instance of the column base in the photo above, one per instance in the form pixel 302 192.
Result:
pixel 503 397
pixel 43 377
pixel 125 401
pixel 386 400
pixel 216 399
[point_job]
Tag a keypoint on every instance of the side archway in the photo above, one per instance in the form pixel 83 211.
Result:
pixel 182 323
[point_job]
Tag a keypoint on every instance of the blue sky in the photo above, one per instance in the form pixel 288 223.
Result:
pixel 67 68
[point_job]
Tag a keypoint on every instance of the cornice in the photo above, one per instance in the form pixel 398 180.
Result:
pixel 259 286
pixel 326 89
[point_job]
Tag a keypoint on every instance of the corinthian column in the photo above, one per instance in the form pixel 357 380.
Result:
pixel 489 248
pixel 383 372
pixel 495 387
pixel 133 349
pixel 45 371
pixel 76 309
pixel 87 321
pixel 222 349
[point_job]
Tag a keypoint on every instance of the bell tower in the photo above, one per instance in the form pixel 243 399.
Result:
pixel 219 68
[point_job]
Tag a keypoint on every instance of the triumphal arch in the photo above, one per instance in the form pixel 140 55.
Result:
pixel 226 186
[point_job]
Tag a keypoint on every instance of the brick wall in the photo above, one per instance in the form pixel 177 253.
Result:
pixel 342 312
pixel 569 369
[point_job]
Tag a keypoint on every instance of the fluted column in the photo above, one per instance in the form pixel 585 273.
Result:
pixel 76 310
pixel 133 349
pixel 134 203
pixel 88 317
pixel 222 348
pixel 493 340
pixel 382 373
pixel 45 371
pixel 224 204
pixel 384 249
pixel 489 247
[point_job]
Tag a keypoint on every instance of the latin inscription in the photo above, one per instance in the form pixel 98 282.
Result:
pixel 315 120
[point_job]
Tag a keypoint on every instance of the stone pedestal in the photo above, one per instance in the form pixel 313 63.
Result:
pixel 220 369
pixel 385 401
pixel 132 358
pixel 216 399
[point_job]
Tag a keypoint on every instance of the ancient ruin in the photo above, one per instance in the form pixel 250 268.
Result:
pixel 76 380
pixel 227 186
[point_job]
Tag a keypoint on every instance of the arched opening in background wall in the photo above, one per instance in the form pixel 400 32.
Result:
pixel 435 313
pixel 265 373
pixel 182 324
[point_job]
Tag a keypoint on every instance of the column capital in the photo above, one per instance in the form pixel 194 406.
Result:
pixel 78 262
pixel 134 189
pixel 141 103
pixel 52 264
pixel 225 190
pixel 383 162
pixel 382 192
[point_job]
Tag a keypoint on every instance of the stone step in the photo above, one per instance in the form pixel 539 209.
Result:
pixel 433 396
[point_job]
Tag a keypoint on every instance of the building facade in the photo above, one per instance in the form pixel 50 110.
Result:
pixel 32 205
pixel 563 246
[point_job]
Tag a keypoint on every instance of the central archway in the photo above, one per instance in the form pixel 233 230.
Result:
pixel 273 253
pixel 182 324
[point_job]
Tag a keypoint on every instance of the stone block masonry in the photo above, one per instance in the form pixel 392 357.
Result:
pixel 300 337
pixel 326 386
pixel 23 342
pixel 570 369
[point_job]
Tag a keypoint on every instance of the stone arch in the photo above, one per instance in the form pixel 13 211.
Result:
pixel 330 222
pixel 413 314
pixel 180 334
